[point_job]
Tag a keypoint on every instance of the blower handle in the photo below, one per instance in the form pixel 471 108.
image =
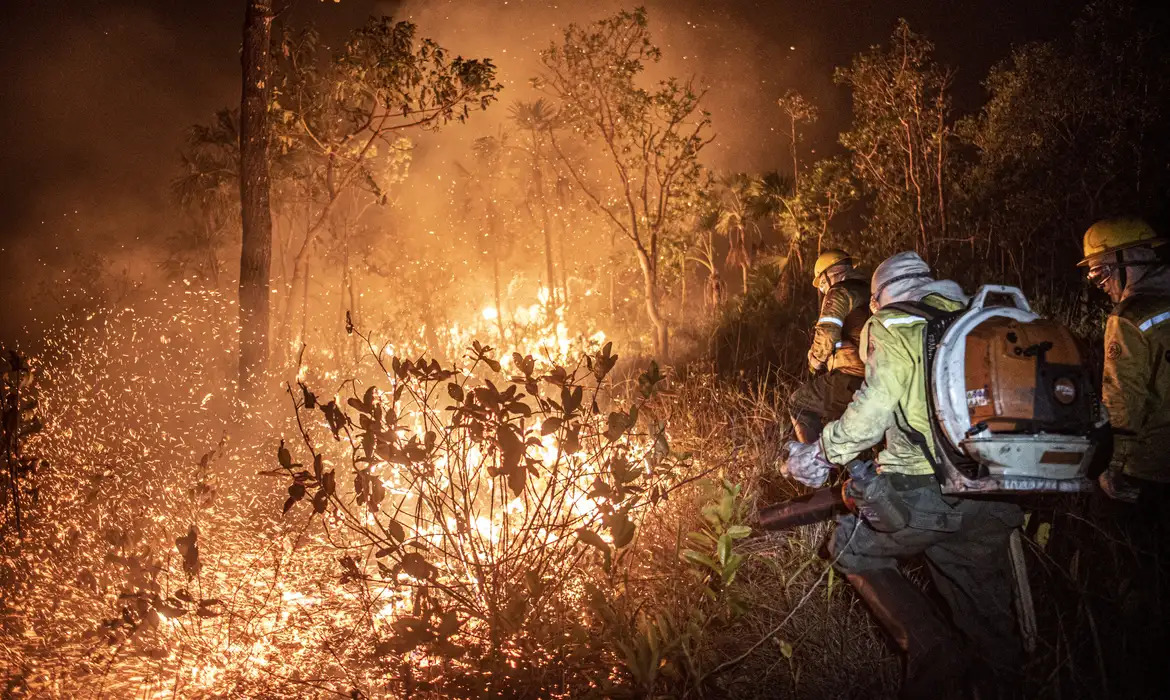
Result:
pixel 1017 296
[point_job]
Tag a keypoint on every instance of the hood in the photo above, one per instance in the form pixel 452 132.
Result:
pixel 1146 279
pixel 906 277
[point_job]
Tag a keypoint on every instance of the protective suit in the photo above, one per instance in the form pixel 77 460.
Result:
pixel 965 541
pixel 1121 259
pixel 1135 388
pixel 837 335
pixel 835 348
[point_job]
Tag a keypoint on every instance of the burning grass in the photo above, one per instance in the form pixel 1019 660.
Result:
pixel 507 524
pixel 443 535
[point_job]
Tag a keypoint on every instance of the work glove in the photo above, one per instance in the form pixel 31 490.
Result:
pixel 806 463
pixel 1113 480
pixel 1117 485
pixel 815 366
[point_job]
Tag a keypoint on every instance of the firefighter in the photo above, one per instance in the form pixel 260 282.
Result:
pixel 1122 262
pixel 964 540
pixel 834 358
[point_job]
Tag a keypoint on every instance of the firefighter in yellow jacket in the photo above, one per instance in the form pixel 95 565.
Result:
pixel 965 540
pixel 835 355
pixel 1121 260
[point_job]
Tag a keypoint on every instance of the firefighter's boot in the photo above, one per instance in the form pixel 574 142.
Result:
pixel 934 666
pixel 807 427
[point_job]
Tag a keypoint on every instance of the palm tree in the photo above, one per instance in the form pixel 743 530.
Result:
pixel 208 190
pixel 704 251
pixel 537 119
pixel 774 197
pixel 736 220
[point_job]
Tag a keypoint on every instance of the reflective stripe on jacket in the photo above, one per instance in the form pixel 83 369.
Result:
pixel 1136 385
pixel 893 396
pixel 837 335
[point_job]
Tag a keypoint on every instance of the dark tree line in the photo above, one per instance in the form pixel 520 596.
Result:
pixel 1073 129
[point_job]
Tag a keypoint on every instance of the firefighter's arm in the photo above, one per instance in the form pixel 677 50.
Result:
pixel 1124 385
pixel 888 370
pixel 827 332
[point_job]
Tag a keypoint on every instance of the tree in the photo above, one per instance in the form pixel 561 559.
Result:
pixel 483 209
pixel 255 214
pixel 1073 130
pixel 646 172
pixel 207 190
pixel 346 114
pixel 735 221
pixel 797 111
pixel 802 214
pixel 537 120
pixel 703 250
pixel 901 140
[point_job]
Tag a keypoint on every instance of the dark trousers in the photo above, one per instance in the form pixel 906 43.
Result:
pixel 965 542
pixel 1132 589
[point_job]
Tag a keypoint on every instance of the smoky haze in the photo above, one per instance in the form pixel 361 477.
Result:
pixel 97 97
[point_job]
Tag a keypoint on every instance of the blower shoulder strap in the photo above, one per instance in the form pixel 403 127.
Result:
pixel 919 309
pixel 937 321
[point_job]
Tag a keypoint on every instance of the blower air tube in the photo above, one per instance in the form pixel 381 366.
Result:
pixel 816 507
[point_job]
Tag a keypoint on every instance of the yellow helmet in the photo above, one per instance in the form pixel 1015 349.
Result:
pixel 1111 235
pixel 828 259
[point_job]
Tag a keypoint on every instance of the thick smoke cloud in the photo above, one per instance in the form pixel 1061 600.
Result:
pixel 744 63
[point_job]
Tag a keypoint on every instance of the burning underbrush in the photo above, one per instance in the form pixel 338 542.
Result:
pixel 509 524
pixel 455 528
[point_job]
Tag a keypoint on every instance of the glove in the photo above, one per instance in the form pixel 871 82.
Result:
pixel 815 366
pixel 1118 486
pixel 806 463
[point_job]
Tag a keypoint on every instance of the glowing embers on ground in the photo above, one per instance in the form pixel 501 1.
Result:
pixel 301 597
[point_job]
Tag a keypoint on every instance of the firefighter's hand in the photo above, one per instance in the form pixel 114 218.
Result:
pixel 806 463
pixel 815 365
pixel 1117 485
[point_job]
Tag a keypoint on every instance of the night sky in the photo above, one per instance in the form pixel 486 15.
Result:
pixel 97 96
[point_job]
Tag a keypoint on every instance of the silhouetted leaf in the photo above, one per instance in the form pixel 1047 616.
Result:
pixel 295 493
pixel 416 566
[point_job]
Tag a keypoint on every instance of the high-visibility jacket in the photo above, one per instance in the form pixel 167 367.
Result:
pixel 892 401
pixel 837 335
pixel 1136 385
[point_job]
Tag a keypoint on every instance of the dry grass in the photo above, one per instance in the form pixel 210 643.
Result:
pixel 794 630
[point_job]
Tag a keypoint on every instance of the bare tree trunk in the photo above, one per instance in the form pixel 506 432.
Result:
pixel 299 265
pixel 542 204
pixel 256 214
pixel 612 280
pixel 792 143
pixel 550 271
pixel 653 307
pixel 349 299
pixel 499 302
pixel 564 230
pixel 305 306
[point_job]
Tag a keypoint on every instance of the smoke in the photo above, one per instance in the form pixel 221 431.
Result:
pixel 95 104
pixel 742 63
pixel 97 97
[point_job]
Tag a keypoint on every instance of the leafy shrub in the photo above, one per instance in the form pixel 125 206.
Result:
pixel 484 509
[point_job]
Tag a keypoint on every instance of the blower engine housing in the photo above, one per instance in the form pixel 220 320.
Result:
pixel 1012 399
